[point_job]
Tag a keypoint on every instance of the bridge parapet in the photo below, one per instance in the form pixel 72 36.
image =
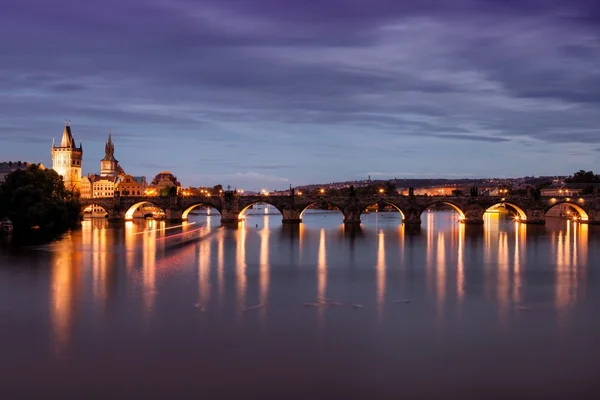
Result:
pixel 471 209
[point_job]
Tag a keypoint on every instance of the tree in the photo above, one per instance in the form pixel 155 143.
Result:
pixel 457 192
pixel 588 190
pixel 37 197
pixel 583 177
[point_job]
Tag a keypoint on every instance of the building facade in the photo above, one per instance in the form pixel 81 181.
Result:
pixel 66 160
pixel 130 186
pixel 163 182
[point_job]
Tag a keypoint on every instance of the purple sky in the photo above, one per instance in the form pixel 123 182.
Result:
pixel 260 93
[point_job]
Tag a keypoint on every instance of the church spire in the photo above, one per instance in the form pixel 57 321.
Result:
pixel 109 149
pixel 67 137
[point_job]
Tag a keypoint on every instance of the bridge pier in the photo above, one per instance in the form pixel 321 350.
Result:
pixel 174 215
pixel 115 215
pixel 291 216
pixel 230 217
pixel 351 216
pixel 473 215
pixel 534 217
pixel 412 217
pixel 472 221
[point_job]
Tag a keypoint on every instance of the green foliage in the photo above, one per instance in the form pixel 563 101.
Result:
pixel 584 177
pixel 37 197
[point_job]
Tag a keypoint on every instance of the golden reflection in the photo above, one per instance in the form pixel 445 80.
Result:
pixel 129 244
pixel 429 254
pixel 241 278
pixel 301 233
pixel 401 241
pixel 570 264
pixel 502 276
pixel 99 263
pixel 204 272
pixel 491 220
pixel 220 264
pixel 460 264
pixel 520 236
pixel 65 281
pixel 264 265
pixel 149 267
pixel 322 271
pixel 380 271
pixel 441 272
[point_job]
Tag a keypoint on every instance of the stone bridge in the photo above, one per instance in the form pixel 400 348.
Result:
pixel 470 209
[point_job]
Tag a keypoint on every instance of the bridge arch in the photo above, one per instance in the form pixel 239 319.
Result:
pixel 321 202
pixel 189 209
pixel 132 209
pixel 389 203
pixel 91 208
pixel 461 213
pixel 521 214
pixel 583 215
pixel 261 201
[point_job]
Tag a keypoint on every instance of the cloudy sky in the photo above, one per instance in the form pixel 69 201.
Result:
pixel 261 93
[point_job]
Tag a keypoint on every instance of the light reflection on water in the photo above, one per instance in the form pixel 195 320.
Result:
pixel 108 284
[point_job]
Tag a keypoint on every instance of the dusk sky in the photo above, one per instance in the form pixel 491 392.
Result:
pixel 263 93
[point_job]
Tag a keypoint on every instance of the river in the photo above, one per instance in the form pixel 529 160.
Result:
pixel 313 311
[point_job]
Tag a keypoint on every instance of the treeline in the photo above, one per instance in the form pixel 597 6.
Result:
pixel 37 198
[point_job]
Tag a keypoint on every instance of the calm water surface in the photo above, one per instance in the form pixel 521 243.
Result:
pixel 311 312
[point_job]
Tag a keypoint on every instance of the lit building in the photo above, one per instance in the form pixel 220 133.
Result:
pixel 66 160
pixel 128 185
pixel 109 166
pixel 164 181
pixel 111 175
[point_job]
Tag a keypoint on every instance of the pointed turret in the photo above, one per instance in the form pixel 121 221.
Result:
pixel 67 138
pixel 109 150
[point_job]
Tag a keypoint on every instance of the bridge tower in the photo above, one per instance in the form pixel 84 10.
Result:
pixel 66 159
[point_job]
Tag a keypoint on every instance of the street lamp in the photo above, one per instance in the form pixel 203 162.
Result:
pixel 322 191
pixel 381 190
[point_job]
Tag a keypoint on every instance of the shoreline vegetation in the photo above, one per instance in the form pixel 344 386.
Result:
pixel 39 206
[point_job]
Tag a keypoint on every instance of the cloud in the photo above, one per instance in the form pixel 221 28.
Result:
pixel 321 90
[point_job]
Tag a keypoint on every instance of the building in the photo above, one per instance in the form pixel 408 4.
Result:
pixel 103 184
pixel 128 185
pixel 12 166
pixel 163 182
pixel 109 166
pixel 66 160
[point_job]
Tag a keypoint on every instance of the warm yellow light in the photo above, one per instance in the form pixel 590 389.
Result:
pixel 299 193
pixel 322 191
pixel 381 190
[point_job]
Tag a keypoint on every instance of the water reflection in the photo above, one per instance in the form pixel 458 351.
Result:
pixel 503 278
pixel 65 284
pixel 441 273
pixel 381 267
pixel 264 267
pixel 322 272
pixel 460 264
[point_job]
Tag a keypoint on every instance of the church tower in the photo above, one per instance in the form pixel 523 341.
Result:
pixel 109 166
pixel 66 159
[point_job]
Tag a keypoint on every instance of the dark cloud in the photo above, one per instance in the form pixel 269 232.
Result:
pixel 239 87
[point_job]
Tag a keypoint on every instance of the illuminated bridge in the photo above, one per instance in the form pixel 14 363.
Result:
pixel 231 205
